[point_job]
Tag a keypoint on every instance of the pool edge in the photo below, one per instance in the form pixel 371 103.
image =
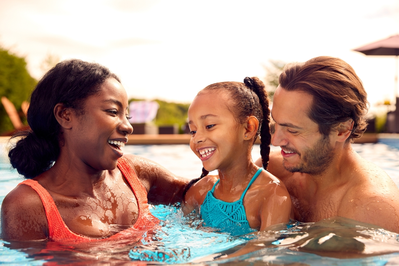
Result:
pixel 153 139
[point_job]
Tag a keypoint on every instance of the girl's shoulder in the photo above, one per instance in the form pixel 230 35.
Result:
pixel 268 181
pixel 206 182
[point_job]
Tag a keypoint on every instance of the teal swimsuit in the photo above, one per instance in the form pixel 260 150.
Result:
pixel 228 217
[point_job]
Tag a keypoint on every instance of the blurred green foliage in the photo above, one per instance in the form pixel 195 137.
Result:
pixel 170 113
pixel 15 83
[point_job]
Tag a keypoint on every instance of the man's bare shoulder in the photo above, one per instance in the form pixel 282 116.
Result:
pixel 372 198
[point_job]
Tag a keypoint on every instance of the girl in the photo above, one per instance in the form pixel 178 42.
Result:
pixel 225 119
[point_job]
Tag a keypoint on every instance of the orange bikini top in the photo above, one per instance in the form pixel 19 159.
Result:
pixel 58 231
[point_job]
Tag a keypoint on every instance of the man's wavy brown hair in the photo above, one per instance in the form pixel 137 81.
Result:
pixel 338 93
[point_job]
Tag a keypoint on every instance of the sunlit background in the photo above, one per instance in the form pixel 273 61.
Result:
pixel 173 48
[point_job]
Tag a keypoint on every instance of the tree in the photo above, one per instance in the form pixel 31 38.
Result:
pixel 273 72
pixel 15 83
pixel 169 113
pixel 49 62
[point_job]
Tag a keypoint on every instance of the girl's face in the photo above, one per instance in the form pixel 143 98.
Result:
pixel 217 138
pixel 99 133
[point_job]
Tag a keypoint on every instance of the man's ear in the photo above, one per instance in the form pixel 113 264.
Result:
pixel 345 130
pixel 63 115
pixel 251 127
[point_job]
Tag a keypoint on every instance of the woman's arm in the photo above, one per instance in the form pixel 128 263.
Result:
pixel 163 186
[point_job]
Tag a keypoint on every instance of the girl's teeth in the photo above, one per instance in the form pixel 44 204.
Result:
pixel 206 152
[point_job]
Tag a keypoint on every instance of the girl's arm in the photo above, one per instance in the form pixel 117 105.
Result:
pixel 196 194
pixel 276 208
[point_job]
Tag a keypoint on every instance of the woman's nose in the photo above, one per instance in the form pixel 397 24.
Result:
pixel 126 127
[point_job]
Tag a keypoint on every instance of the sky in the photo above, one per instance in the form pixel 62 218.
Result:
pixel 171 49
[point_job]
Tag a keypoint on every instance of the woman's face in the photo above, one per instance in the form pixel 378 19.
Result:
pixel 98 134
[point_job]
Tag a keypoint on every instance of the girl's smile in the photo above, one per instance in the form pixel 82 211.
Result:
pixel 216 134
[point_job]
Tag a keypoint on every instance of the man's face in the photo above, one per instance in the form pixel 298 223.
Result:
pixel 303 148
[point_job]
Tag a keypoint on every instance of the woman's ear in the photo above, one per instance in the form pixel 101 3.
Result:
pixel 63 115
pixel 251 127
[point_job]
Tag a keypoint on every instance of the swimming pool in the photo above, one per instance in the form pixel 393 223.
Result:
pixel 330 242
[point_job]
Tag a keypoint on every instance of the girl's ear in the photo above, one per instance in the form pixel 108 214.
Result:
pixel 63 115
pixel 251 127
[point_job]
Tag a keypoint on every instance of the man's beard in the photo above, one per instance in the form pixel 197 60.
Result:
pixel 314 160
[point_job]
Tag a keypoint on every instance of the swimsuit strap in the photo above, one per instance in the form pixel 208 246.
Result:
pixel 250 182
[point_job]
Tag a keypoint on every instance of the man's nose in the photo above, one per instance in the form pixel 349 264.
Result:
pixel 278 136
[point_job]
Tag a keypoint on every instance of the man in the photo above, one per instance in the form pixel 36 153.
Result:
pixel 318 109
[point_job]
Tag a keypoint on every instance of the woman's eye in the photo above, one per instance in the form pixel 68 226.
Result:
pixel 112 111
pixel 210 126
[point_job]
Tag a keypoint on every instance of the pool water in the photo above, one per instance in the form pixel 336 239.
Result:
pixel 182 239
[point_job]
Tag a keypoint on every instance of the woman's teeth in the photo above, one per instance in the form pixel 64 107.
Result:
pixel 116 143
pixel 206 152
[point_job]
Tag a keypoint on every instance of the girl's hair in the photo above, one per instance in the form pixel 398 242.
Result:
pixel 70 82
pixel 248 98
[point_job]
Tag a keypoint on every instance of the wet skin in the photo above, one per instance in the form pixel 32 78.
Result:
pixel 225 145
pixel 344 185
pixel 90 193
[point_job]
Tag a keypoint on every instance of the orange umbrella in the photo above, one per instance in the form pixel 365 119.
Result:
pixel 388 46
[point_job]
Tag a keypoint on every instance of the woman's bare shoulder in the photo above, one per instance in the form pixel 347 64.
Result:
pixel 22 215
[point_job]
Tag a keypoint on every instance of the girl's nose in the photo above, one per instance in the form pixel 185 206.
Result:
pixel 198 137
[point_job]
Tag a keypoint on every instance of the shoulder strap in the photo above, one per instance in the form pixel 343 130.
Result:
pixel 214 185
pixel 250 182
pixel 53 216
pixel 139 191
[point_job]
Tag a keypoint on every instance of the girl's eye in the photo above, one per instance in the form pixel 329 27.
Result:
pixel 128 117
pixel 210 126
pixel 192 133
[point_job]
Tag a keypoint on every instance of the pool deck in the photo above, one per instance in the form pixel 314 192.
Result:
pixel 152 139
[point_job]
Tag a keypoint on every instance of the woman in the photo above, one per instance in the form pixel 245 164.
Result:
pixel 80 186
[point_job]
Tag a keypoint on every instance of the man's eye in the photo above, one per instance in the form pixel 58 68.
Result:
pixel 272 128
pixel 292 131
pixel 210 126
